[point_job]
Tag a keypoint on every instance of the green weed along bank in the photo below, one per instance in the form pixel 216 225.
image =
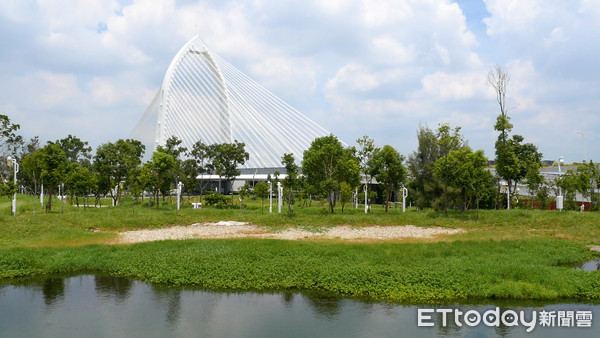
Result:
pixel 422 272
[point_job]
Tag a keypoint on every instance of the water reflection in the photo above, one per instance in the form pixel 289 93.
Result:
pixel 170 300
pixel 112 306
pixel 117 288
pixel 53 290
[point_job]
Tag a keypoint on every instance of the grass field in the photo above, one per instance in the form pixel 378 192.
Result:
pixel 516 254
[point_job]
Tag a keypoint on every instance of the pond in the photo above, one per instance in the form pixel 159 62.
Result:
pixel 100 306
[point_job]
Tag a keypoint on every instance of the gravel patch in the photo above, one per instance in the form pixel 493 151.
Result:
pixel 231 229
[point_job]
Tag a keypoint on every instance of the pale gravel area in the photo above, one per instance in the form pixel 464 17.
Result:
pixel 231 229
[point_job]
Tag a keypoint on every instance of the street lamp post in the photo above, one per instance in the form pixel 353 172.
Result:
pixel 13 163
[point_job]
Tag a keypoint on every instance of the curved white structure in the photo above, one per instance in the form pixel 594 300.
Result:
pixel 204 98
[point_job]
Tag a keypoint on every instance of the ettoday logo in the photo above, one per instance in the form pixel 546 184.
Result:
pixel 496 317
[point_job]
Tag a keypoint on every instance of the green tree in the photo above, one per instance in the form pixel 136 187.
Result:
pixel 202 154
pixel 424 185
pixel 189 172
pixel 244 192
pixel 345 194
pixel 261 190
pixel 174 148
pixel 147 179
pixel 589 183
pixel 465 171
pixel 162 170
pixel 31 167
pixel 116 163
pixel 10 142
pixel 513 158
pixel 76 150
pixel 365 152
pixel 448 140
pixel 79 180
pixel 54 166
pixel 326 164
pixel 390 170
pixel 226 158
pixel 569 183
pixel 291 182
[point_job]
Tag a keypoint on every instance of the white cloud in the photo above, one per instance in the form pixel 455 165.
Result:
pixel 456 86
pixel 375 66
pixel 556 36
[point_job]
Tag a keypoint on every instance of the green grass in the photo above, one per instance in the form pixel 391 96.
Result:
pixel 516 254
pixel 413 272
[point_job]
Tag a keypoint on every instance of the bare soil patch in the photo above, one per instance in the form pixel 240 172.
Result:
pixel 231 229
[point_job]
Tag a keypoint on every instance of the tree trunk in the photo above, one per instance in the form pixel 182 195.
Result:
pixel 49 204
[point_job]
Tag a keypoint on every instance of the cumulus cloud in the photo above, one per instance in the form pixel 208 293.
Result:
pixel 376 67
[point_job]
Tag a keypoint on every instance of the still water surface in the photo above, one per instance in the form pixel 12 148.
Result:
pixel 103 306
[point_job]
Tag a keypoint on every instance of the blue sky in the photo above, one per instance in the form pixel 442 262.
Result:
pixel 378 68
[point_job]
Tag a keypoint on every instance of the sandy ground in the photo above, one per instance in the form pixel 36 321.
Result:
pixel 230 229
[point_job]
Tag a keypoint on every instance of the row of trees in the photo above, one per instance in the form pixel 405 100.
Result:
pixel 444 172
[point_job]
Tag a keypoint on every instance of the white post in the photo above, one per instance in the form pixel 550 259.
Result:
pixel 366 204
pixel 42 196
pixel 62 198
pixel 356 199
pixel 270 197
pixel 404 195
pixel 279 195
pixel 13 162
pixel 560 198
pixel 179 186
pixel 507 196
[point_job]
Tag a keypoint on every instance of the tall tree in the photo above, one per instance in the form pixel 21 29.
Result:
pixel 10 142
pixel 202 154
pixel 448 140
pixel 79 180
pixel 116 162
pixel 466 171
pixel 366 150
pixel 76 150
pixel 390 170
pixel 290 183
pixel 54 165
pixel 513 159
pixel 326 164
pixel 227 157
pixel 162 166
pixel 425 186
pixel 174 148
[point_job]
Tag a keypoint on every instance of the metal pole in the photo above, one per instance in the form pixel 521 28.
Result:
pixel 42 196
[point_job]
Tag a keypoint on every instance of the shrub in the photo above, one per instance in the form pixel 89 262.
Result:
pixel 215 198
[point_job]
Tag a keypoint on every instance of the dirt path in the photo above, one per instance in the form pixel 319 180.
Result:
pixel 229 229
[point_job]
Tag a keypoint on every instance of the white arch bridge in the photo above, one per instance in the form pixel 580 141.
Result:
pixel 204 98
